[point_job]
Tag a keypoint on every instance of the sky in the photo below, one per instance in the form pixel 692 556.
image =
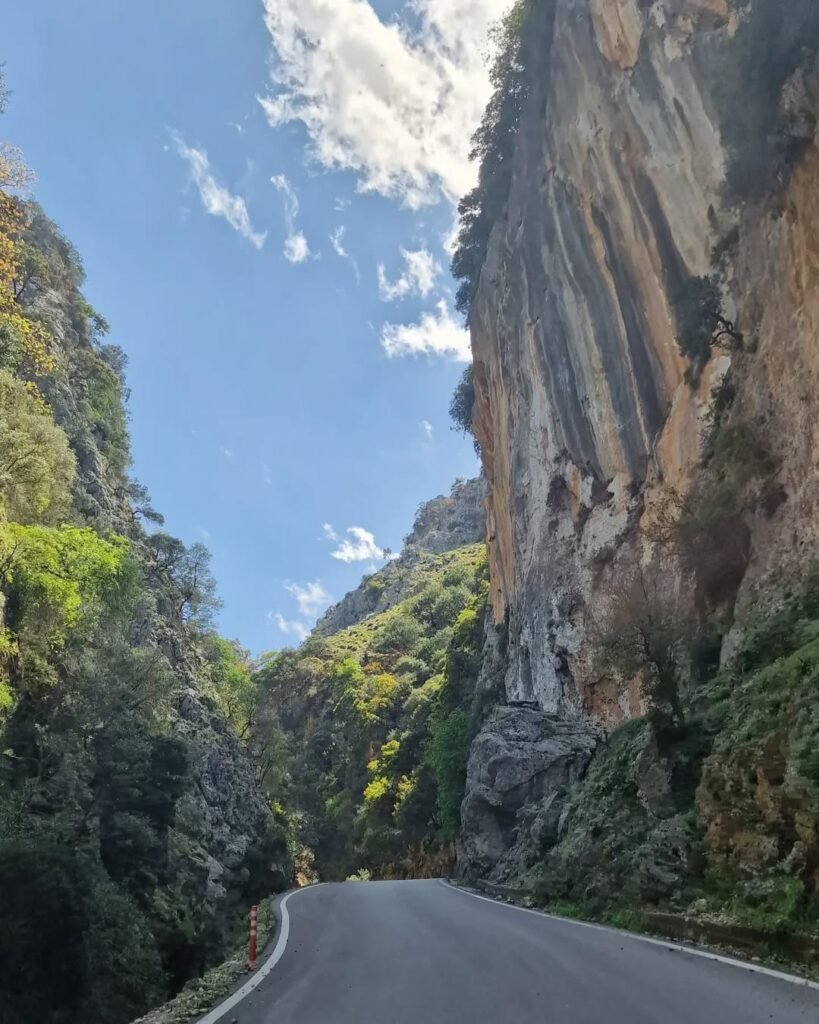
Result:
pixel 263 193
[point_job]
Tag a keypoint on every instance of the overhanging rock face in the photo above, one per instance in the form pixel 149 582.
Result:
pixel 582 402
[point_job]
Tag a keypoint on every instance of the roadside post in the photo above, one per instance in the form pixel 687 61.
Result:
pixel 251 947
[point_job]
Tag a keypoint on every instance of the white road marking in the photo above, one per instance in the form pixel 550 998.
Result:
pixel 278 952
pixel 675 947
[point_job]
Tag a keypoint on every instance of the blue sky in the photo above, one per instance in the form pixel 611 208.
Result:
pixel 262 194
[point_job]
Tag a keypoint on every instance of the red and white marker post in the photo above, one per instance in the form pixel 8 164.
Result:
pixel 251 946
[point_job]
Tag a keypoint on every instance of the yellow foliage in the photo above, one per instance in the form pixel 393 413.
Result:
pixel 375 790
pixel 27 342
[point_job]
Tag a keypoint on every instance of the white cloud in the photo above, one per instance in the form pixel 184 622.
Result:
pixel 215 197
pixel 438 334
pixel 337 240
pixel 289 627
pixel 291 200
pixel 421 270
pixel 395 104
pixel 329 532
pixel 311 598
pixel 227 453
pixel 427 429
pixel 360 546
pixel 296 249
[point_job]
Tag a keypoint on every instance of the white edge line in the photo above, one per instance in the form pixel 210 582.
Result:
pixel 675 947
pixel 278 952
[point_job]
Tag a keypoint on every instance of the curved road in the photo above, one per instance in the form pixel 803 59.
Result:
pixel 425 953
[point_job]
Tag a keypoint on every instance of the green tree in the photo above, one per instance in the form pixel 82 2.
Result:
pixel 36 464
pixel 230 682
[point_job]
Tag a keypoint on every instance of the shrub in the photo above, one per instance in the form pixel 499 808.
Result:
pixel 449 605
pixel 401 633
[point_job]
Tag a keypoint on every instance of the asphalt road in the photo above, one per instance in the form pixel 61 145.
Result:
pixel 423 953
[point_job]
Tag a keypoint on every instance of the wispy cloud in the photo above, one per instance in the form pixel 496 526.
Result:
pixel 296 249
pixel 311 598
pixel 421 270
pixel 227 453
pixel 337 240
pixel 427 429
pixel 289 627
pixel 438 334
pixel 216 199
pixel 359 546
pixel 328 532
pixel 395 104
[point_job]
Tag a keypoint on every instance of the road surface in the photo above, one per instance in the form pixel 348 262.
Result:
pixel 425 953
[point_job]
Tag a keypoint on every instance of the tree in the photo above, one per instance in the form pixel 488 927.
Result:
pixel 142 504
pixel 60 919
pixel 24 342
pixel 700 322
pixel 462 406
pixel 645 633
pixel 36 463
pixel 187 576
pixel 231 683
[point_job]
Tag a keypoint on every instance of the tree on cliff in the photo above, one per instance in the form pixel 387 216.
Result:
pixel 645 634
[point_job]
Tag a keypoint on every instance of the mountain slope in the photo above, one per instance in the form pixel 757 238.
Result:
pixel 368 726
pixel 130 815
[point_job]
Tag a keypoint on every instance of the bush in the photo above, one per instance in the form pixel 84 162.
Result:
pixel 449 605
pixel 401 633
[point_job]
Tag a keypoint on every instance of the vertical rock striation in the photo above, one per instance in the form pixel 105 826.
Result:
pixel 579 380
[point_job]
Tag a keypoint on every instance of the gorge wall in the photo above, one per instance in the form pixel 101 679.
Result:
pixel 628 182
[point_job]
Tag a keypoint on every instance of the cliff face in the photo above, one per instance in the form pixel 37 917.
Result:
pixel 584 411
pixel 580 383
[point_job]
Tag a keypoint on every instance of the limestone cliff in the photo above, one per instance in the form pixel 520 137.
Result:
pixel 586 416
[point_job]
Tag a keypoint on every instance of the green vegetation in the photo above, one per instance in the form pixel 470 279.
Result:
pixel 522 42
pixel 371 727
pixel 722 819
pixel 700 321
pixel 462 406
pixel 116 697
pixel 765 133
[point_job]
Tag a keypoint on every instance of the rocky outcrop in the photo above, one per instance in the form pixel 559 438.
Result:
pixel 443 524
pixel 449 521
pixel 520 769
